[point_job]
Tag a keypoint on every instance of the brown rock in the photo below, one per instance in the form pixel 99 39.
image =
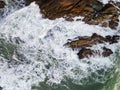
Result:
pixel 90 41
pixel 94 12
pixel 84 42
pixel 53 9
pixel 39 2
pixel 112 39
pixel 86 53
pixel 107 16
pixel 106 52
pixel 2 4
pixel 113 24
pixel 87 41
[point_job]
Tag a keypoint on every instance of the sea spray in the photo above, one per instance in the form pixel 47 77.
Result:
pixel 47 61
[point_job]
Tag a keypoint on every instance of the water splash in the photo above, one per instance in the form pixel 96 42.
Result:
pixel 46 59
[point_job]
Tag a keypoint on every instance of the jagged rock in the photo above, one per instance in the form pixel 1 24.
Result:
pixel 53 9
pixel 2 4
pixel 90 41
pixel 83 42
pixel 107 16
pixel 113 39
pixel 86 53
pixel 94 12
pixel 106 52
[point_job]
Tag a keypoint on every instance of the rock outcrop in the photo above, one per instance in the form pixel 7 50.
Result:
pixel 93 40
pixel 94 12
pixel 2 4
pixel 86 53
pixel 84 44
pixel 107 15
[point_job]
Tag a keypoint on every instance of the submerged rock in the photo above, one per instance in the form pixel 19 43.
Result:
pixel 2 4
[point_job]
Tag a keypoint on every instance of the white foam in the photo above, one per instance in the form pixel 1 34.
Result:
pixel 106 1
pixel 43 48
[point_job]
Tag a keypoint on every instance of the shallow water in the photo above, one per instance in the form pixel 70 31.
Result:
pixel 41 62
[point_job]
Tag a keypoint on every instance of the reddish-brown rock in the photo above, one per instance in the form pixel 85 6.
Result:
pixel 84 42
pixel 90 41
pixel 94 12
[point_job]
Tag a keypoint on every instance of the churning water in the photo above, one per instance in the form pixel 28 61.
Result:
pixel 33 56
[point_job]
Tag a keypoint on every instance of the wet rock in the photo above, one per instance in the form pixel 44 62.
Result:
pixel 106 52
pixel 61 8
pixel 107 16
pixel 113 24
pixel 84 42
pixel 86 53
pixel 93 40
pixel 113 39
pixel 2 4
pixel 94 12
pixel 39 2
pixel 53 9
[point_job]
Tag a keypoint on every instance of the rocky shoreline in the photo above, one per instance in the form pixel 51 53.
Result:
pixel 93 12
pixel 83 43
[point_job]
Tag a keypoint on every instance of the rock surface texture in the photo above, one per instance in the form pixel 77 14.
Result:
pixel 84 44
pixel 93 12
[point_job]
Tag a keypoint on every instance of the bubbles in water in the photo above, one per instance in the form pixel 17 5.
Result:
pixel 41 42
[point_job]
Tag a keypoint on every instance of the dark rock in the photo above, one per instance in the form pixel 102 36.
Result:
pixel 90 41
pixel 53 9
pixel 107 16
pixel 113 24
pixel 106 52
pixel 1 88
pixel 83 42
pixel 113 39
pixel 39 2
pixel 2 4
pixel 93 40
pixel 86 53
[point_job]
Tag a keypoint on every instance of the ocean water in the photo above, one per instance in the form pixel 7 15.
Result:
pixel 37 59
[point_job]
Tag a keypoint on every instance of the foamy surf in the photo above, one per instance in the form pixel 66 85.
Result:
pixel 45 57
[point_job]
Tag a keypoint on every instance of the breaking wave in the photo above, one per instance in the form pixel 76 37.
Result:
pixel 37 58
